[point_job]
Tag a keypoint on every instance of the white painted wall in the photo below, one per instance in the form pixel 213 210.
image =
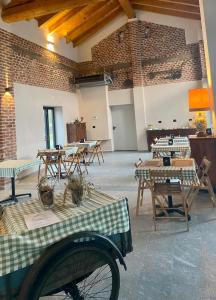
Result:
pixel 193 30
pixel 29 102
pixel 30 31
pixel 94 108
pixel 121 97
pixel 168 102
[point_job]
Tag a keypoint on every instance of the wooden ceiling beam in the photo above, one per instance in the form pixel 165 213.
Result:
pixel 127 8
pixel 169 5
pixel 188 2
pixel 90 22
pixel 99 24
pixel 63 26
pixel 164 11
pixel 60 17
pixel 37 8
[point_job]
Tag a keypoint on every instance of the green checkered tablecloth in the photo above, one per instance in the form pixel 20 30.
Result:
pixel 176 138
pixel 175 141
pixel 188 172
pixel 10 168
pixel 168 148
pixel 20 247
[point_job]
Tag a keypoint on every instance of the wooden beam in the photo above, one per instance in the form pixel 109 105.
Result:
pixel 64 25
pixel 169 5
pixel 127 8
pixel 99 24
pixel 63 15
pixel 90 22
pixel 165 11
pixel 42 20
pixel 189 2
pixel 39 8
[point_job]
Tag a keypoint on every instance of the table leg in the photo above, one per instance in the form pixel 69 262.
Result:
pixel 173 208
pixel 13 196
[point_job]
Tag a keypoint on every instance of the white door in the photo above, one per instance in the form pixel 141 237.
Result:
pixel 124 129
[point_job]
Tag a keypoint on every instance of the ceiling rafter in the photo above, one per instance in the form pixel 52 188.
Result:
pixel 46 21
pixel 37 8
pixel 77 20
pixel 188 2
pixel 90 22
pixel 169 5
pixel 127 8
pixel 63 27
pixel 166 11
pixel 100 23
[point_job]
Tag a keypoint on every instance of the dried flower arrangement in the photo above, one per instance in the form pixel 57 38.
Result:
pixel 77 121
pixel 46 191
pixel 76 187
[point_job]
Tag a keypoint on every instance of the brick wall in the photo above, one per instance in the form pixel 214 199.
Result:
pixel 24 62
pixel 161 50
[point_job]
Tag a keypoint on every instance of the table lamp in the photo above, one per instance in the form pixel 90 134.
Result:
pixel 199 101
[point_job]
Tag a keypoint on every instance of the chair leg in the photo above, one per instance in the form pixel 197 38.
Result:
pixel 101 152
pixel 138 197
pixel 142 193
pixel 185 211
pixel 98 158
pixel 193 194
pixel 154 212
pixel 211 191
pixel 39 170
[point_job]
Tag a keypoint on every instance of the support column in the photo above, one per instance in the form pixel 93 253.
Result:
pixel 138 89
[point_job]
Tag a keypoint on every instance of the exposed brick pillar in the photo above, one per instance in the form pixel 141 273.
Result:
pixel 135 48
pixel 138 89
pixel 7 107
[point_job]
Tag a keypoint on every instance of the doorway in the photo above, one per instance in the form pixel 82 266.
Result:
pixel 124 129
pixel 50 130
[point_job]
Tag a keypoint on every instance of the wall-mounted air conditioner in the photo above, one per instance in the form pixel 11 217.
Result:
pixel 93 80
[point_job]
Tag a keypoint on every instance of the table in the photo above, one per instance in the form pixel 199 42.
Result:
pixel 99 213
pixel 86 144
pixel 65 151
pixel 46 154
pixel 158 133
pixel 183 148
pixel 188 167
pixel 176 140
pixel 10 169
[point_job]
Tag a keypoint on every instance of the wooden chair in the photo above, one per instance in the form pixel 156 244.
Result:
pixel 203 182
pixel 53 162
pixel 96 151
pixel 75 162
pixel 161 187
pixel 142 185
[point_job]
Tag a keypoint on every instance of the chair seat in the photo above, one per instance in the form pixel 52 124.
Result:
pixel 167 188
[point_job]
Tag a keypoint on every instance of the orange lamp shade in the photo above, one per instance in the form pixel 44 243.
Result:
pixel 199 100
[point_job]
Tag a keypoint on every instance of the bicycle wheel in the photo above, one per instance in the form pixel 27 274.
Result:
pixel 81 273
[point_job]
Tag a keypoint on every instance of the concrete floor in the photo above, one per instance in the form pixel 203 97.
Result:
pixel 169 264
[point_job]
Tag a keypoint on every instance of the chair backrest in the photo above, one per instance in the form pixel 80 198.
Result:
pixel 164 175
pixel 49 155
pixel 137 164
pixel 204 168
